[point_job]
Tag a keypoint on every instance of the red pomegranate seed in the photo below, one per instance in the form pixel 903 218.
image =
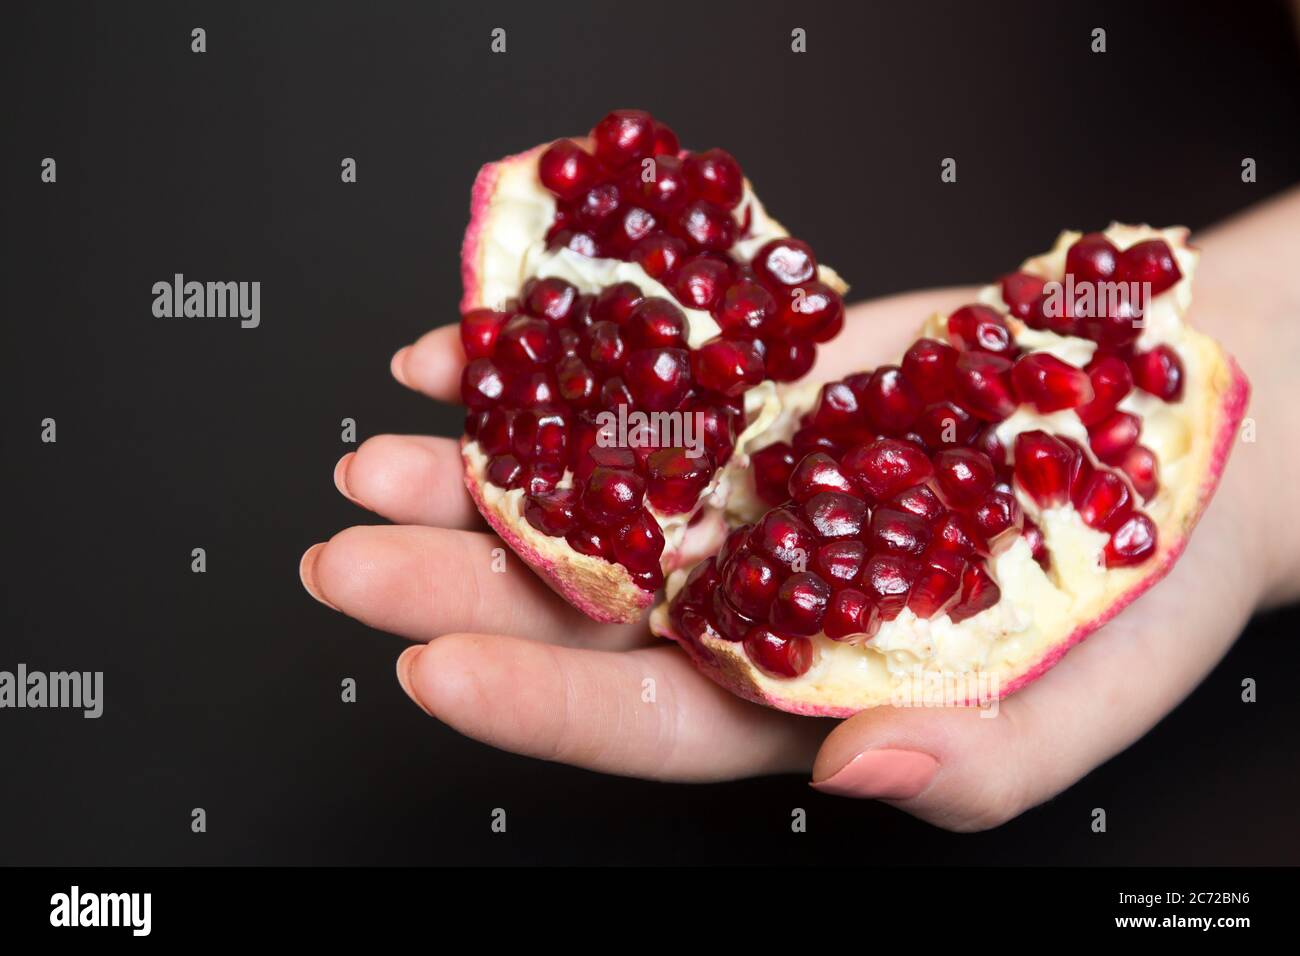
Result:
pixel 980 328
pixel 727 366
pixel 887 579
pixel 1112 437
pixel 929 365
pixel 659 255
pixel 1054 311
pixel 541 432
pixel 1037 544
pixel 850 612
pixel 808 440
pixel 525 343
pixel 1019 292
pixel 746 308
pixel 608 457
pixel 1043 465
pixel 943 425
pixel 800 604
pixel 624 136
pixel 919 501
pixel 661 185
pixel 478 331
pixel 1050 385
pixel 965 476
pixel 627 227
pixel 616 303
pixel 1092 258
pixel 541 477
pixel 495 431
pixel 590 541
pixel 715 175
pixel 551 299
pixel 505 471
pixel 817 472
pixel 606 348
pixel 890 400
pixel 785 262
pixel 956 533
pixel 656 323
pixel 597 205
pixel 1111 381
pixel 700 281
pixel 730 623
pixel 838 410
pixel 700 584
pixel 983 385
pixel 771 468
pixel 1139 463
pixel 979 592
pixel 885 467
pixel 614 392
pixel 566 169
pixel 750 583
pixel 533 388
pixel 987 441
pixel 840 562
pixel 781 655
pixel 707 227
pixel 1132 542
pixel 639 543
pixel 612 495
pixel 1104 501
pixel 1113 322
pixel 715 428
pixel 999 520
pixel 937 586
pixel 734 544
pixel 812 311
pixel 481 385
pixel 658 378
pixel 674 480
pixel 1160 372
pixel 1150 261
pixel 834 514
pixel 553 513
pixel 666 143
pixel 784 537
pixel 897 532
pixel 576 383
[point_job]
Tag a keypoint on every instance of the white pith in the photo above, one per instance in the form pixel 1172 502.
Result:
pixel 1037 610
pixel 513 250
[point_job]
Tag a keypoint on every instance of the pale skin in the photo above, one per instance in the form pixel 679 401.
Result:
pixel 502 659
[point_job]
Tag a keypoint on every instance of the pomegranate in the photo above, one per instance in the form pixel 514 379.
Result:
pixel 1035 461
pixel 628 308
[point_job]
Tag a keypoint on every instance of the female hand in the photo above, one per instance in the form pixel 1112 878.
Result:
pixel 504 660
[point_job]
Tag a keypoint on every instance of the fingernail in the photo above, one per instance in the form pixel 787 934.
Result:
pixel 406 661
pixel 881 775
pixel 307 571
pixel 341 477
pixel 398 365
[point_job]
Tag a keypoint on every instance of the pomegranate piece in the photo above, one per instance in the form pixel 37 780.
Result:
pixel 495 431
pixel 590 541
pixel 957 534
pixel 1132 542
pixel 1111 438
pixel 887 466
pixel 965 476
pixel 980 328
pixel 567 169
pixel 817 472
pixel 943 425
pixel 526 343
pixel 929 365
pixel 1151 261
pixel 656 323
pixel 772 467
pixel 541 432
pixel 1043 464
pixel 622 137
pixel 800 604
pixel 750 583
pixel 834 514
pixel 481 385
pixel 1050 385
pixel 675 480
pixel 785 262
pixel 780 655
pixel 550 299
pixel 1159 372
pixel 576 382
pixel 983 385
pixel 1092 258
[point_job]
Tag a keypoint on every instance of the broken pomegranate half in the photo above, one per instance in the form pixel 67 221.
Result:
pixel 627 309
pixel 951 525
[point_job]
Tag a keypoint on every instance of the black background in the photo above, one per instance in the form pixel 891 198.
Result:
pixel 222 689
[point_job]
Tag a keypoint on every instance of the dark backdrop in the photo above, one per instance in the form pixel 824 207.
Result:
pixel 223 688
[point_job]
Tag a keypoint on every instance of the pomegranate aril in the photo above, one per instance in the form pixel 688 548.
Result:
pixel 1019 292
pixel 987 441
pixel 661 185
pixel 943 425
pixel 965 476
pixel 1050 385
pixel 576 382
pixel 919 501
pixel 541 432
pixel 1140 464
pixel 838 410
pixel 840 563
pixel 700 584
pixel 666 143
pixel 639 543
pixel 1037 545
pixel 780 655
pixel 980 328
pixel 929 365
pixel 607 350
pixel 532 388
pixel 750 583
pixel 714 426
pixel 746 308
pixel 715 175
pixel 650 580
pixel 1104 501
pixel 1054 311
pixel 481 385
pixel 957 534
pixel 612 494
pixel 674 480
pixel 771 468
pixel 700 282
pixel 734 544
pixel 937 586
pixel 817 472
pixel 1043 464
pixel 659 255
pixel 495 431
pixel 850 613
pixel 505 471
pixel 1132 542
pixel 594 208
pixel 887 579
pixel 478 331
pixel 590 541
pixel 623 136
pixel 658 378
pixel 1092 258
pixel 808 440
pixel 979 592
pixel 526 343
pixel 603 456
pixel 887 466
pixel 1159 372
pixel 897 532
pixel 890 400
pixel 553 513
pixel 1111 381
pixel 708 228
pixel 616 303
pixel 785 262
pixel 727 366
pixel 623 230
pixel 982 383
pixel 813 311
pixel 834 514
pixel 999 520
pixel 566 169
pixel 800 604
pixel 656 323
pixel 1150 261
pixel 551 299
pixel 1111 438
pixel 785 538
pixel 730 623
